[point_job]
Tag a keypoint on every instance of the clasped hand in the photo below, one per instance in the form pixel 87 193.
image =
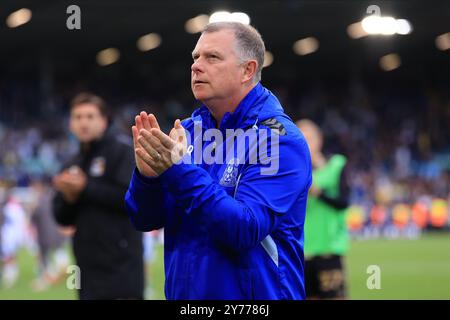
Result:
pixel 155 152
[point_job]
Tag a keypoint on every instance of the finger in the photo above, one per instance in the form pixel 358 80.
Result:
pixel 153 121
pixel 135 132
pixel 177 135
pixel 79 177
pixel 180 131
pixel 69 182
pixel 145 121
pixel 173 134
pixel 155 143
pixel 148 148
pixel 176 127
pixel 65 185
pixel 145 157
pixel 64 178
pixel 76 172
pixel 163 138
pixel 138 122
pixel 56 183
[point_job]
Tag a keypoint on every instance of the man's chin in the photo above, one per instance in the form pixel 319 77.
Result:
pixel 200 96
pixel 85 139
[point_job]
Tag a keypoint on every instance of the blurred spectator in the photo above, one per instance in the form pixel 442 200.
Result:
pixel 15 234
pixel 326 234
pixel 53 256
pixel 91 188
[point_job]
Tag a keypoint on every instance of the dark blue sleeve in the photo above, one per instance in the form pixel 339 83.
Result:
pixel 144 202
pixel 244 221
pixel 145 199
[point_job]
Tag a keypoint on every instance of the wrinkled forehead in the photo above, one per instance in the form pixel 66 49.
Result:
pixel 223 41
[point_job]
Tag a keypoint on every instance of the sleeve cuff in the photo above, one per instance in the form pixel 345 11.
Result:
pixel 141 179
pixel 170 178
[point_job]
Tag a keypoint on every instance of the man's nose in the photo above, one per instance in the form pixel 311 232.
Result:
pixel 197 66
pixel 84 122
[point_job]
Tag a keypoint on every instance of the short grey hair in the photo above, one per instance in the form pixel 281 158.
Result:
pixel 250 44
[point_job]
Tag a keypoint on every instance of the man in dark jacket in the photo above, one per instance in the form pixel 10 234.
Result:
pixel 91 187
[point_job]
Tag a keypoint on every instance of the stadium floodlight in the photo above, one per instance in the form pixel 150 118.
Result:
pixel 196 24
pixel 225 16
pixel 356 31
pixel 403 27
pixel 268 59
pixel 390 62
pixel 306 46
pixel 443 41
pixel 148 42
pixel 18 18
pixel 378 25
pixel 240 17
pixel 108 56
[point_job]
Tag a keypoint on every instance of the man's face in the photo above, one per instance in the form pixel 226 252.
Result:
pixel 217 71
pixel 87 123
pixel 313 137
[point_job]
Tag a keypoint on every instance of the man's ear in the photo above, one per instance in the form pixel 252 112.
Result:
pixel 105 123
pixel 249 70
pixel 71 125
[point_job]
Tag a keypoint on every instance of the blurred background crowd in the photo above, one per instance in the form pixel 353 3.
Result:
pixel 397 141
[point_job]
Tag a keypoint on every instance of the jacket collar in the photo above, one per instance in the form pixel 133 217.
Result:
pixel 99 142
pixel 246 113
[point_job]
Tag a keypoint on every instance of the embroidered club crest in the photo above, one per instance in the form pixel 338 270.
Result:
pixel 98 166
pixel 230 174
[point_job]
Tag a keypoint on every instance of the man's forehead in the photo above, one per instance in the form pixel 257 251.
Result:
pixel 85 108
pixel 215 41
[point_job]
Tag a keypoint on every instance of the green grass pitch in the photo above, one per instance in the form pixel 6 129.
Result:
pixel 409 269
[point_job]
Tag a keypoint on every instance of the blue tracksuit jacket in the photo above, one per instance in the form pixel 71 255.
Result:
pixel 231 232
